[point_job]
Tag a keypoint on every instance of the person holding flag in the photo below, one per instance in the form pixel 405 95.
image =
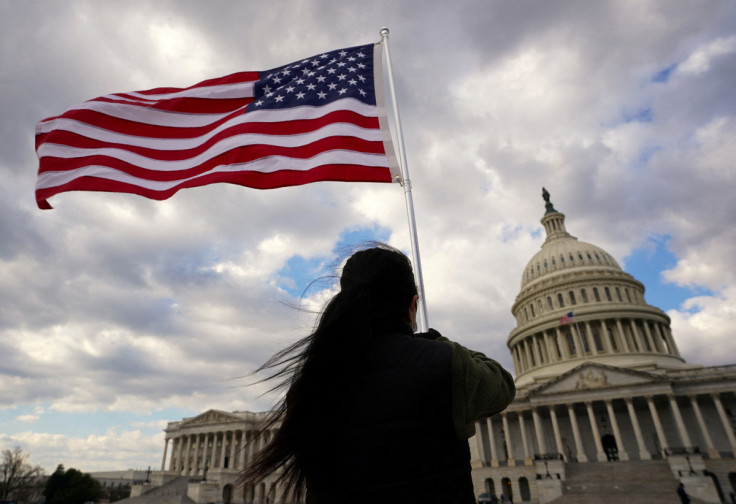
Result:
pixel 373 412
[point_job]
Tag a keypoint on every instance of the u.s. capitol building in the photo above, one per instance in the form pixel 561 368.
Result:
pixel 607 410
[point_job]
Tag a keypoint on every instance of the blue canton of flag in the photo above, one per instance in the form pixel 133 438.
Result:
pixel 319 80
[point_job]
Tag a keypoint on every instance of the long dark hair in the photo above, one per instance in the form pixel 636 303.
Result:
pixel 376 289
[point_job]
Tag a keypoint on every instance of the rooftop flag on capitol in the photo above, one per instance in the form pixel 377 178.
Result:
pixel 318 119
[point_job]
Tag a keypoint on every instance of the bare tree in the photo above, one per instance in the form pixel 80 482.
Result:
pixel 19 480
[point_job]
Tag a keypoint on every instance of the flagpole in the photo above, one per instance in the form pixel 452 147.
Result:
pixel 406 184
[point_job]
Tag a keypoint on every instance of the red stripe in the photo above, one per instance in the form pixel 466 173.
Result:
pixel 256 180
pixel 70 139
pixel 188 105
pixel 237 155
pixel 235 78
pixel 97 120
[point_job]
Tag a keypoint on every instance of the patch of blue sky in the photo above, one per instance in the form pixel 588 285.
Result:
pixel 647 152
pixel 644 115
pixel 85 423
pixel 299 272
pixel 647 264
pixel 664 74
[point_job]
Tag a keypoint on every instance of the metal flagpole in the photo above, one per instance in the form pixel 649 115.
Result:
pixel 406 184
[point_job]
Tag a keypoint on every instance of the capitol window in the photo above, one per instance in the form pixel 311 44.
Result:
pixel 584 295
pixel 608 294
pixel 596 296
pixel 572 298
pixel 560 300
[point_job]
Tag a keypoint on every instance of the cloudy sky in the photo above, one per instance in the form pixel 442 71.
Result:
pixel 118 314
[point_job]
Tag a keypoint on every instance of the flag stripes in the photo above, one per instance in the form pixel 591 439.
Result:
pixel 240 129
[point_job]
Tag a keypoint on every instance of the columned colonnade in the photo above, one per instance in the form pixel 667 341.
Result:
pixel 593 337
pixel 193 451
pixel 643 427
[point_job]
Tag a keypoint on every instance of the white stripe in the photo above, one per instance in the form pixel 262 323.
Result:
pixel 265 165
pixel 221 91
pixel 66 152
pixel 170 144
pixel 157 117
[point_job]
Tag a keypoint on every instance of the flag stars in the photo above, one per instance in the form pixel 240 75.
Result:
pixel 316 80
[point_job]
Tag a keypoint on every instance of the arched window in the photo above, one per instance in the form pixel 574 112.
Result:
pixel 531 307
pixel 490 487
pixel 628 297
pixel 584 295
pixel 618 295
pixel 572 298
pixel 596 296
pixel 608 294
pixel 526 315
pixel 539 305
pixel 506 489
pixel 549 303
pixel 560 300
pixel 524 489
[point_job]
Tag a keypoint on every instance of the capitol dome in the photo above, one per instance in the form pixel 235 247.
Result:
pixel 610 321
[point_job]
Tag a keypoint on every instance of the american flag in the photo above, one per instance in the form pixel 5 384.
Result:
pixel 567 319
pixel 318 119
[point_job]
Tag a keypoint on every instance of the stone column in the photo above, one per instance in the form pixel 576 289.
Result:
pixel 622 336
pixel 172 460
pixel 661 338
pixel 187 461
pixel 657 423
pixel 166 449
pixel 510 461
pixel 652 339
pixel 213 459
pixel 524 441
pixel 180 451
pixel 492 443
pixel 605 340
pixel 576 434
pixel 622 454
pixel 532 352
pixel 515 360
pixel 712 452
pixel 596 435
pixel 671 341
pixel 205 462
pixel 678 420
pixel 563 344
pixel 551 351
pixel 725 422
pixel 643 452
pixel 222 450
pixel 479 443
pixel 195 463
pixel 591 339
pixel 231 463
pixel 556 429
pixel 541 441
pixel 241 448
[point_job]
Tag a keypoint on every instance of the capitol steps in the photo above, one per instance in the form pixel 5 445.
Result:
pixel 633 482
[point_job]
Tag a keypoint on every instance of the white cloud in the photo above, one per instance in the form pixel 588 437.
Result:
pixel 700 60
